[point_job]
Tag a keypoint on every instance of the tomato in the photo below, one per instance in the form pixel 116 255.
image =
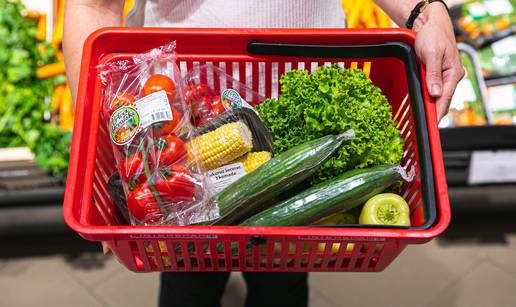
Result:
pixel 171 150
pixel 170 126
pixel 385 209
pixel 132 168
pixel 122 99
pixel 201 110
pixel 142 204
pixel 217 107
pixel 175 183
pixel 196 92
pixel 157 83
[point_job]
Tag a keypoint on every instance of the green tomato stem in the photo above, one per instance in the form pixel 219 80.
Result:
pixel 151 185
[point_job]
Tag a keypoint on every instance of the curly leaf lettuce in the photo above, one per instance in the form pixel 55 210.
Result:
pixel 331 101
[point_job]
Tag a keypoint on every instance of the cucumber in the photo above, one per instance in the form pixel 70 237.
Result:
pixel 341 193
pixel 252 192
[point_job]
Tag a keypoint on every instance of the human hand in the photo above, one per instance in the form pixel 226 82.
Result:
pixel 437 48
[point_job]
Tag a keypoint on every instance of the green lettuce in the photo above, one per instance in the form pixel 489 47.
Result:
pixel 331 101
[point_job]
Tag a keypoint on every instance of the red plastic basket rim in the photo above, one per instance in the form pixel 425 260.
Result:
pixel 120 232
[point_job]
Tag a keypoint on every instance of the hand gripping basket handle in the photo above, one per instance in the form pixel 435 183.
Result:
pixel 398 50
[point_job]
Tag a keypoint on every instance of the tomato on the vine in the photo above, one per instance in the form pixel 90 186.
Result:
pixel 171 150
pixel 175 183
pixel 196 92
pixel 157 83
pixel 132 168
pixel 142 204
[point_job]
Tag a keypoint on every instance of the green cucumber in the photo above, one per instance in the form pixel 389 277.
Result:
pixel 252 192
pixel 341 193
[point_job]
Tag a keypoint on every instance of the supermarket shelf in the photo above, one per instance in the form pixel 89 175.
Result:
pixel 31 197
pixel 483 199
pixel 500 81
pixel 478 138
pixel 40 220
pixel 459 144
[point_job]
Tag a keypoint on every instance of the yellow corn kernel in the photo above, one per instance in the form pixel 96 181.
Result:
pixel 253 160
pixel 221 146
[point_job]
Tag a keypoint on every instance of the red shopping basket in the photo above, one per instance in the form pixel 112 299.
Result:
pixel 258 58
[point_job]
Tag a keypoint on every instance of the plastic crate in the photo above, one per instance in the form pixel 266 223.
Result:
pixel 266 54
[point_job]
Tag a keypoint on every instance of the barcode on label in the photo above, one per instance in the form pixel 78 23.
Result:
pixel 154 108
pixel 160 116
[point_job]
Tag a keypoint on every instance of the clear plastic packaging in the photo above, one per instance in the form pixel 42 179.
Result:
pixel 338 194
pixel 210 92
pixel 254 192
pixel 149 124
pixel 230 140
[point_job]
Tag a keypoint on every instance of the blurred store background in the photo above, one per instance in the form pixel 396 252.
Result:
pixel 478 141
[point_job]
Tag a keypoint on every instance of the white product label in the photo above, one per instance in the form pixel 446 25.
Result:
pixel 504 46
pixel 463 93
pixel 498 7
pixel 225 175
pixel 492 166
pixel 502 98
pixel 153 108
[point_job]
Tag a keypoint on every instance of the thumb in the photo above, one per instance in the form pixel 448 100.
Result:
pixel 434 77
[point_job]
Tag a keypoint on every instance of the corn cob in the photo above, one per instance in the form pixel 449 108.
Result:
pixel 253 160
pixel 221 146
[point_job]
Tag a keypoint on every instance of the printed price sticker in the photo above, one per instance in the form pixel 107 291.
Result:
pixel 225 175
pixel 154 108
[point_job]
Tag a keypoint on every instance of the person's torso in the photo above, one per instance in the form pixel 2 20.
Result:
pixel 237 13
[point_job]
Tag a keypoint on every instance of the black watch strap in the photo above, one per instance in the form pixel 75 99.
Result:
pixel 418 9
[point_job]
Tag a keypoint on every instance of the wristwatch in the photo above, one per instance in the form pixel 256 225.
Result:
pixel 418 9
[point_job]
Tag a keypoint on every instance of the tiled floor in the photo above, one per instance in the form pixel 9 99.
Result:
pixel 474 264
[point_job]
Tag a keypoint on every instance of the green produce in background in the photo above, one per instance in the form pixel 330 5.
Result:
pixel 24 99
pixel 331 101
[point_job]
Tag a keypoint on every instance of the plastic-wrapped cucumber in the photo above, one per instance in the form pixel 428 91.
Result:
pixel 250 193
pixel 341 193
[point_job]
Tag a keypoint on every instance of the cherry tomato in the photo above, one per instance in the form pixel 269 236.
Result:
pixel 195 92
pixel 201 110
pixel 176 183
pixel 122 99
pixel 171 150
pixel 157 83
pixel 142 204
pixel 171 126
pixel 217 107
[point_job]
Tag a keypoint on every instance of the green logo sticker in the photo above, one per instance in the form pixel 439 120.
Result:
pixel 124 123
pixel 231 99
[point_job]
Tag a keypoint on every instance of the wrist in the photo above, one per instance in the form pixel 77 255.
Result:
pixel 429 12
pixel 406 9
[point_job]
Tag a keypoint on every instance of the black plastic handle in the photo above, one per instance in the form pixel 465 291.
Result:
pixel 328 51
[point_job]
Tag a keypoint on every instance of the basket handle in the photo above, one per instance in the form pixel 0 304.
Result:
pixel 391 49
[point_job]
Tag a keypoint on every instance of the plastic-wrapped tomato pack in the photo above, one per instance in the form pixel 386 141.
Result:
pixel 229 140
pixel 149 127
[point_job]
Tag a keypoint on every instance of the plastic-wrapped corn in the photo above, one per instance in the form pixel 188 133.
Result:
pixel 221 146
pixel 253 160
